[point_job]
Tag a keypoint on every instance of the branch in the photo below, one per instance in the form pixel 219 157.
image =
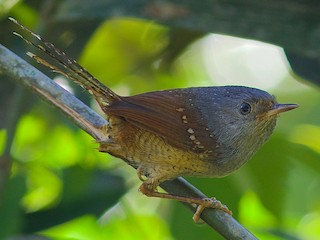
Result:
pixel 18 69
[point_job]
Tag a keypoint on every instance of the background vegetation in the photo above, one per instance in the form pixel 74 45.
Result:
pixel 53 183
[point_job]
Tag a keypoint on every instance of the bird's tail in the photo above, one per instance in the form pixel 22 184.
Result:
pixel 68 67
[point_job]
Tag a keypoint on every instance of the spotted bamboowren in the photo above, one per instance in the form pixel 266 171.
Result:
pixel 200 131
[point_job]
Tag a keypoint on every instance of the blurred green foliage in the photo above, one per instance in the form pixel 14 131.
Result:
pixel 59 186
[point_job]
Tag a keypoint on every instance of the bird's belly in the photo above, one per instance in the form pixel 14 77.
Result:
pixel 150 152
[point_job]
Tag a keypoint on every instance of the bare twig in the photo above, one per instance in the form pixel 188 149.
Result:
pixel 16 68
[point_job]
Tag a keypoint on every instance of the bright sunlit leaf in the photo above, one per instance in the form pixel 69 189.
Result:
pixel 6 6
pixel 29 138
pixel 138 227
pixel 309 226
pixel 253 213
pixel 126 44
pixel 134 227
pixel 23 12
pixel 44 187
pixel 307 135
pixel 3 135
pixel 63 149
pixel 85 227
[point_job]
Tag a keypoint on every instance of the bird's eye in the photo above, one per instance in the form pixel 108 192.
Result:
pixel 245 108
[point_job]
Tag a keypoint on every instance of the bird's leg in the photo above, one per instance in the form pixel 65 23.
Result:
pixel 149 186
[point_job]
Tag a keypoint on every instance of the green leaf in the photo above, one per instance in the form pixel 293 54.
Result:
pixel 133 227
pixel 11 215
pixel 85 192
pixel 127 45
pixel 3 136
pixel 269 172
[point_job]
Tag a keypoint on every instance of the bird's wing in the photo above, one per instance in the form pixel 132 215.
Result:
pixel 169 114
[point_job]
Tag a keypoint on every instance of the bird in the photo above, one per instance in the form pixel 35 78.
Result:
pixel 197 131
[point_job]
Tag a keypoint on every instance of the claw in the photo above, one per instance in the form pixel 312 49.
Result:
pixel 209 203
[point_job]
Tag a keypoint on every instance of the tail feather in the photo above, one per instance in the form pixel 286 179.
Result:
pixel 68 67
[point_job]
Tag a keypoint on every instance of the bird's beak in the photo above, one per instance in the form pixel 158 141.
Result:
pixel 279 108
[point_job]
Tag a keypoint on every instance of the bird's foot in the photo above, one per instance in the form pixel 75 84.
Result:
pixel 209 203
